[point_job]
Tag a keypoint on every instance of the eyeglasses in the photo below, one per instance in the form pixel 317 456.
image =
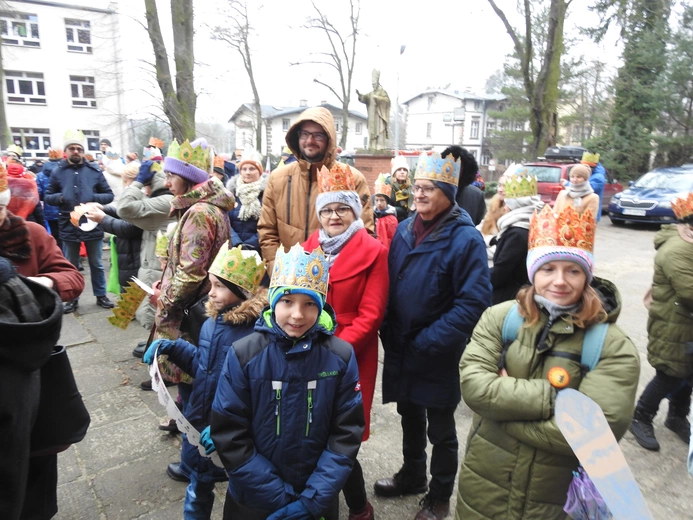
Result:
pixel 75 149
pixel 341 211
pixel 426 190
pixel 318 137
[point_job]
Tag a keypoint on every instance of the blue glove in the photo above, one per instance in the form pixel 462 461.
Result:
pixel 163 344
pixel 207 442
pixel 294 511
pixel 146 173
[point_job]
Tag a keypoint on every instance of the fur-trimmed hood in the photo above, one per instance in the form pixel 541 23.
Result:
pixel 246 312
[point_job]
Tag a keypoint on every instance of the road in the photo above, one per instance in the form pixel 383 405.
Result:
pixel 118 471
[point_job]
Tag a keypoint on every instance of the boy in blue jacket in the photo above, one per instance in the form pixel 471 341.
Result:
pixel 287 419
pixel 234 305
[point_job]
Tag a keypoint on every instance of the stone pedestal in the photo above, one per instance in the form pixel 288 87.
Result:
pixel 372 165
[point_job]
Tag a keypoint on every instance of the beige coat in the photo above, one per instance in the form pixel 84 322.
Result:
pixel 288 206
pixel 591 201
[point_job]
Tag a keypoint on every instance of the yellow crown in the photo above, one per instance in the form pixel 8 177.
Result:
pixel 521 185
pixel 339 178
pixel 125 309
pixel 565 229
pixel 381 187
pixel 242 268
pixel 683 207
pixel 161 248
pixel 198 156
pixel 299 268
pixel 590 158
pixel 3 178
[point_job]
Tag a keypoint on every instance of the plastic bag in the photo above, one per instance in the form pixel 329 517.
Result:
pixel 584 501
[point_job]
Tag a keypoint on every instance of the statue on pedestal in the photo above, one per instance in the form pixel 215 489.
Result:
pixel 378 103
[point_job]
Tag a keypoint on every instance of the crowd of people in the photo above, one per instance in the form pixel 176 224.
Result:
pixel 272 292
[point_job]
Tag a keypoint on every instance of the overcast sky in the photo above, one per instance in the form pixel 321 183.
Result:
pixel 447 42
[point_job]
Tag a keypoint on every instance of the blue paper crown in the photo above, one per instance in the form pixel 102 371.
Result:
pixel 435 168
pixel 298 268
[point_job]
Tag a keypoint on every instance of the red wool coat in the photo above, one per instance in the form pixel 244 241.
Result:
pixel 358 294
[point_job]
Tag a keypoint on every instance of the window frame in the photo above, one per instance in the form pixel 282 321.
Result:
pixel 93 138
pixel 82 101
pixel 43 135
pixel 74 25
pixel 286 124
pixel 429 130
pixel 38 83
pixel 358 128
pixel 10 19
pixel 474 128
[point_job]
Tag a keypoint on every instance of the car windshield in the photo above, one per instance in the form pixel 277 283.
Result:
pixel 674 180
pixel 543 173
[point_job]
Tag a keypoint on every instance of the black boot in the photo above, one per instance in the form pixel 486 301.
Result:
pixel 643 431
pixel 403 482
pixel 678 423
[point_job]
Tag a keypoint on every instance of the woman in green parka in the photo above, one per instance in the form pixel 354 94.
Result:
pixel 670 331
pixel 517 463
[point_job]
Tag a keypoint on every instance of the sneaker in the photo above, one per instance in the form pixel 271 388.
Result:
pixel 103 301
pixel 643 431
pixel 366 514
pixel 433 509
pixel 680 426
pixel 69 307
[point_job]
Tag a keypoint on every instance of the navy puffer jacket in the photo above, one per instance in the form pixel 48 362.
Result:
pixel 42 181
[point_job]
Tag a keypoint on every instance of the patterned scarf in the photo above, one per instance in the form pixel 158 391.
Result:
pixel 333 245
pixel 249 195
pixel 15 242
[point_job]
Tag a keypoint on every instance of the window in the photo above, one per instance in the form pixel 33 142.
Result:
pixel 19 29
pixel 92 140
pixel 519 127
pixel 359 128
pixel 473 152
pixel 83 94
pixel 337 124
pixel 35 141
pixel 477 105
pixel 25 87
pixel 490 127
pixel 78 34
pixel 484 160
pixel 285 124
pixel 475 129
pixel 430 102
pixel 429 127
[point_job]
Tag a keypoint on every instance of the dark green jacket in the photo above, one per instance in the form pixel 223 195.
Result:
pixel 670 324
pixel 517 464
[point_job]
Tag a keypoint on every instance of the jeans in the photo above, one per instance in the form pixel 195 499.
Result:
pixel 199 499
pixel 675 388
pixel 94 252
pixel 355 489
pixel 443 437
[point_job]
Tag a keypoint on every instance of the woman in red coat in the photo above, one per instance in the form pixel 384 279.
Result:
pixel 357 293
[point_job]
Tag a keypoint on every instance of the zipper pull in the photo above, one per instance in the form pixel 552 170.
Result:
pixel 277 387
pixel 312 385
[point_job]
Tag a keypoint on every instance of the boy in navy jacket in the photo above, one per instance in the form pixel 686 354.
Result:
pixel 287 419
pixel 235 303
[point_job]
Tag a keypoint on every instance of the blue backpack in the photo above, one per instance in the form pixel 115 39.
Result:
pixel 592 343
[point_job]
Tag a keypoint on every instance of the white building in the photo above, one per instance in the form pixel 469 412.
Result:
pixel 278 120
pixel 436 119
pixel 62 71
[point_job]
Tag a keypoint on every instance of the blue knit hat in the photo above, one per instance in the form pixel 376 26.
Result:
pixel 275 294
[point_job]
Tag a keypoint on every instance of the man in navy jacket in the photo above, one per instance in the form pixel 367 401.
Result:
pixel 76 181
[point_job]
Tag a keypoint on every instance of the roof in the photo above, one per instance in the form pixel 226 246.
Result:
pixel 272 112
pixel 69 6
pixel 459 95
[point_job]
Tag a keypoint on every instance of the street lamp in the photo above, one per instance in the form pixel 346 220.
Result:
pixel 399 60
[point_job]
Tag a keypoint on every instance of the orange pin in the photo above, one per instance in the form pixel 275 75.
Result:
pixel 558 377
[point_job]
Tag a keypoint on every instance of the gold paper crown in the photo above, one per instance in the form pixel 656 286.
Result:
pixel 381 187
pixel 590 158
pixel 198 156
pixel 565 229
pixel 3 178
pixel 125 309
pixel 683 207
pixel 15 149
pixel 521 185
pixel 243 268
pixel 339 178
pixel 155 141
pixel 299 268
pixel 433 167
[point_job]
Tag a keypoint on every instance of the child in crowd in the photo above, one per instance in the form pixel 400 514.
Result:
pixel 235 303
pixel 287 419
pixel 385 214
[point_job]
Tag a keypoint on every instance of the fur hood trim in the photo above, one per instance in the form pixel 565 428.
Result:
pixel 247 312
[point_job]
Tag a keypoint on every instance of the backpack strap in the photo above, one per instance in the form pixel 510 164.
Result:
pixel 592 345
pixel 511 325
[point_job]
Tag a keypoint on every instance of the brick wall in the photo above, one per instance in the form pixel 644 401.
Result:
pixel 371 166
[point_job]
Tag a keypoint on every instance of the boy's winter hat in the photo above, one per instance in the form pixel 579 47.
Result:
pixel 338 185
pixel 299 272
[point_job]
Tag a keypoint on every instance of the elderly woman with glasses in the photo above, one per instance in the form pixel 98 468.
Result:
pixel 358 293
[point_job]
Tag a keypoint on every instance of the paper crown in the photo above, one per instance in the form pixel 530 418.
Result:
pixel 565 229
pixel 298 268
pixel 381 187
pixel 161 248
pixel 17 150
pixel 590 158
pixel 156 142
pixel 243 268
pixel 521 185
pixel 339 178
pixel 73 137
pixel 54 153
pixel 125 309
pixel 218 161
pixel 433 167
pixel 198 156
pixel 683 207
pixel 4 186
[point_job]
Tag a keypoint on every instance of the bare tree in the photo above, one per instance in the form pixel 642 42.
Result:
pixel 238 38
pixel 540 77
pixel 5 138
pixel 340 57
pixel 179 103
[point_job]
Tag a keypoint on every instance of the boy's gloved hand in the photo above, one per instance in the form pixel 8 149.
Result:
pixel 146 173
pixel 294 511
pixel 163 344
pixel 207 442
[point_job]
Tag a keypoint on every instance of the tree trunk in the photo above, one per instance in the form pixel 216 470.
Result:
pixel 5 138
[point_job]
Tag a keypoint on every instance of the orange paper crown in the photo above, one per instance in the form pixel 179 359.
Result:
pixel 155 141
pixel 565 229
pixel 683 207
pixel 218 161
pixel 381 187
pixel 339 178
pixel 3 178
pixel 54 153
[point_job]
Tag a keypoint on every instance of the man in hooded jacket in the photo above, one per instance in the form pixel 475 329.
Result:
pixel 288 205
